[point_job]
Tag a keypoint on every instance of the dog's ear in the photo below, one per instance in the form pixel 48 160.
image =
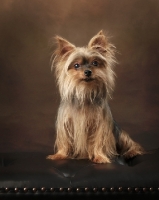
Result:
pixel 99 42
pixel 63 46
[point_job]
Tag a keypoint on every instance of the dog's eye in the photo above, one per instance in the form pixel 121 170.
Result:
pixel 95 63
pixel 76 65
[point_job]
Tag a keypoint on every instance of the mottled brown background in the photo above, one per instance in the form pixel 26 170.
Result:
pixel 28 96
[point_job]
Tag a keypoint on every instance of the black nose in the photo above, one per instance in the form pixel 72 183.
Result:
pixel 87 73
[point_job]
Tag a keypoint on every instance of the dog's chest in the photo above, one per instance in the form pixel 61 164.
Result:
pixel 87 119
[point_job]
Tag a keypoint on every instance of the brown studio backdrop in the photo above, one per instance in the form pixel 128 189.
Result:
pixel 29 97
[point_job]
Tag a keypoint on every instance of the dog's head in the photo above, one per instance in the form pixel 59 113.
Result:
pixel 85 72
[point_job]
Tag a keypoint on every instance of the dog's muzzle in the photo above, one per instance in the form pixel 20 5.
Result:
pixel 87 73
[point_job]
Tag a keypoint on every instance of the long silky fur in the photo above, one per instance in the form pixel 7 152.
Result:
pixel 83 133
pixel 84 122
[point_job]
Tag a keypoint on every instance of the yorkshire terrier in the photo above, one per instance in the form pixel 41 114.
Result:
pixel 85 126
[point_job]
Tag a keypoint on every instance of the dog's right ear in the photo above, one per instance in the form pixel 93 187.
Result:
pixel 63 46
pixel 99 42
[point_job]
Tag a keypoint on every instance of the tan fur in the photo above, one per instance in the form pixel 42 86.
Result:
pixel 84 122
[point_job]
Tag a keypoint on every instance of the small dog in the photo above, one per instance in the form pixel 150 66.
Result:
pixel 85 126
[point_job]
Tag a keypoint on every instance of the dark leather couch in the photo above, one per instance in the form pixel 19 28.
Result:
pixel 30 175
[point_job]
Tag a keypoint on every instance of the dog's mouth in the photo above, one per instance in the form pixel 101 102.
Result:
pixel 88 79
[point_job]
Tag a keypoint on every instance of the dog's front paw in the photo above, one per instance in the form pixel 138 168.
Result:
pixel 57 156
pixel 100 159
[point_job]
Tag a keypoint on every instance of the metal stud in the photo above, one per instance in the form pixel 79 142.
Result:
pixel 144 189
pixel 120 189
pixel 95 189
pixel 16 189
pixel 25 189
pixel 43 189
pixel 6 189
pixel 136 189
pixel 78 189
pixel 52 189
pixel 112 189
pixel 104 189
pixel 34 189
pixel 151 189
pixel 86 189
pixel 61 189
pixel 129 189
pixel 69 189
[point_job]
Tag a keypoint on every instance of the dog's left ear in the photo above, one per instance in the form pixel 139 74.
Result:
pixel 99 42
pixel 63 46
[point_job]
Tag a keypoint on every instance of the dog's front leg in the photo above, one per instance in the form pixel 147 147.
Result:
pixel 58 156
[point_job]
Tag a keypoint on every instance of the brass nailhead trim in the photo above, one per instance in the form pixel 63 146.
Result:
pixel 95 189
pixel 43 189
pixel 120 189
pixel 6 189
pixel 61 189
pixel 51 189
pixel 112 189
pixel 136 189
pixel 25 189
pixel 104 189
pixel 86 189
pixel 69 189
pixel 34 189
pixel 144 189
